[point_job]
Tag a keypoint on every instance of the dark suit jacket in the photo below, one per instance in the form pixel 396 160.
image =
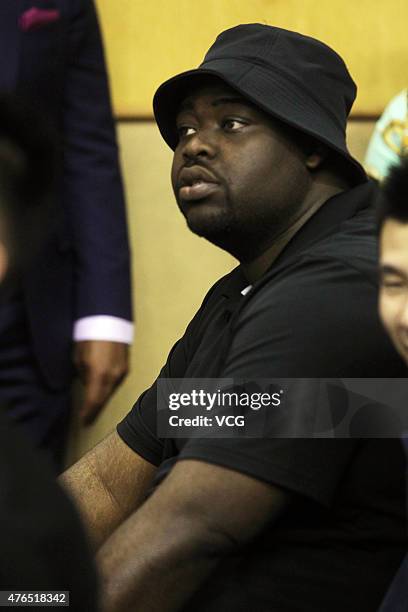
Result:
pixel 83 269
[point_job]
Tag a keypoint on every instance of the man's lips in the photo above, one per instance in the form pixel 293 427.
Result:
pixel 196 183
pixel 197 191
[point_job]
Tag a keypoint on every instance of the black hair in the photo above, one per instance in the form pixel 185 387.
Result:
pixel 393 199
pixel 23 125
pixel 27 179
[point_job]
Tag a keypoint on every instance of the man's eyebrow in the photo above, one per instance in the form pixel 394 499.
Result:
pixel 186 105
pixel 390 269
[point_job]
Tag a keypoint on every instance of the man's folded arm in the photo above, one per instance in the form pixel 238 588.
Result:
pixel 159 557
pixel 107 485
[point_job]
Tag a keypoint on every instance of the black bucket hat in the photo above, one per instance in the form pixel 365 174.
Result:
pixel 292 77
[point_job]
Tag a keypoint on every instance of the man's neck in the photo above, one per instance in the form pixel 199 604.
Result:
pixel 256 268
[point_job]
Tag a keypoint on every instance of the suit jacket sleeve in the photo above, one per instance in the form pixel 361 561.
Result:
pixel 92 191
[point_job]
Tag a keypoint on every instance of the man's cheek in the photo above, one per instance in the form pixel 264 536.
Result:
pixel 388 311
pixel 384 311
pixel 175 169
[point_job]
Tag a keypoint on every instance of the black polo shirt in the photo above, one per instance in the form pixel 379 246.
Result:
pixel 313 314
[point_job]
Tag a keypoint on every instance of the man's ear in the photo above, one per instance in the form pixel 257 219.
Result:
pixel 316 157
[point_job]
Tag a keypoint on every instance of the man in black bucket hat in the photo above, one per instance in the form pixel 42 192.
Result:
pixel 188 513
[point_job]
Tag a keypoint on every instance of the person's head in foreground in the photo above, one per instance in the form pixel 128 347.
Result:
pixel 393 227
pixel 258 133
pixel 27 172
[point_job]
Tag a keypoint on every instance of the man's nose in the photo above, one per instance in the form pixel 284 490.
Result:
pixel 200 144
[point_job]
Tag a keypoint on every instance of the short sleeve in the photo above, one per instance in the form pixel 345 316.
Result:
pixel 139 427
pixel 312 468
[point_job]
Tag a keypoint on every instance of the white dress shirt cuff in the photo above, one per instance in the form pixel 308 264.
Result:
pixel 103 327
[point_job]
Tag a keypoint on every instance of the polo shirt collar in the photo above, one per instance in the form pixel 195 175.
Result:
pixel 324 222
pixel 335 211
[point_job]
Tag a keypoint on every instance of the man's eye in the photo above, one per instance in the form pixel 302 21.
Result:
pixel 185 130
pixel 392 283
pixel 233 124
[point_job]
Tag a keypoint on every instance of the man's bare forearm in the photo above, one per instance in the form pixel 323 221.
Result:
pixel 99 512
pixel 155 564
pixel 107 485
pixel 161 555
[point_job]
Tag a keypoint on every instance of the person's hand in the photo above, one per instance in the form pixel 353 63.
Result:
pixel 101 365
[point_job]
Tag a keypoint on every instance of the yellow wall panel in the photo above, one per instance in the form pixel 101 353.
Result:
pixel 149 41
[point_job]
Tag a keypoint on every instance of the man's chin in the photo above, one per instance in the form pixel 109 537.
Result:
pixel 209 224
pixel 405 356
pixel 402 350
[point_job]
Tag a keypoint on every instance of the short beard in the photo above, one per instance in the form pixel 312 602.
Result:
pixel 212 227
pixel 223 232
pixel 243 239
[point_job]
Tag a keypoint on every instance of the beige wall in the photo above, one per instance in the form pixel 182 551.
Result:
pixel 172 269
pixel 149 41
